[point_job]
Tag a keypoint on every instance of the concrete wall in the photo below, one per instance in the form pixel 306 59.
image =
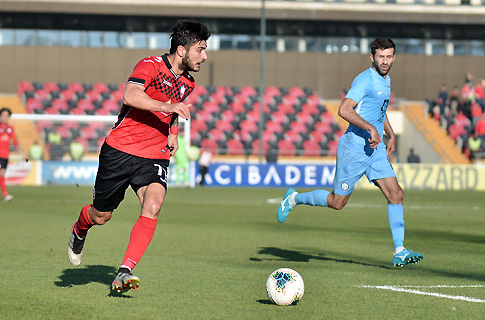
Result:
pixel 414 77
pixel 412 138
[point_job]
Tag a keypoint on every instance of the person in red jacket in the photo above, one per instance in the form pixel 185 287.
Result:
pixel 137 150
pixel 7 134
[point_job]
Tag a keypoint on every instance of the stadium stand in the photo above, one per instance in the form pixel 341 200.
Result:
pixel 225 119
pixel 461 113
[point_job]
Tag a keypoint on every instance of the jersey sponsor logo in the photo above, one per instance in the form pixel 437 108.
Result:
pixel 182 91
pixel 167 83
pixel 148 60
pixel 159 59
pixel 380 92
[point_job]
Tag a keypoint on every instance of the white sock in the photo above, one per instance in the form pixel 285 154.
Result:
pixel 398 249
pixel 292 199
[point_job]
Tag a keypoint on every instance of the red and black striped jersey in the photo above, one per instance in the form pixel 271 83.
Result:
pixel 7 133
pixel 144 133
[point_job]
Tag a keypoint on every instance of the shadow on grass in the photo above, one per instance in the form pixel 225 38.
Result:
pixel 264 301
pixel 89 274
pixel 297 256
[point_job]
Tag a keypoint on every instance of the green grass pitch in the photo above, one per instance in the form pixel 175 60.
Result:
pixel 215 247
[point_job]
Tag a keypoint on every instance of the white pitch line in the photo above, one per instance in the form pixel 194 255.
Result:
pixel 445 286
pixel 434 294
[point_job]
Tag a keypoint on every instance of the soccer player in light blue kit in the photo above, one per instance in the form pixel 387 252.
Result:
pixel 361 150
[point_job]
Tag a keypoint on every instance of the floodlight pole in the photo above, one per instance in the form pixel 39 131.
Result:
pixel 261 78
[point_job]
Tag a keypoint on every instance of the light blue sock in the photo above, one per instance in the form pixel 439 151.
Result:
pixel 396 223
pixel 313 198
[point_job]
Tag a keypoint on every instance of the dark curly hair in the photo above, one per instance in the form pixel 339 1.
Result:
pixel 186 33
pixel 382 44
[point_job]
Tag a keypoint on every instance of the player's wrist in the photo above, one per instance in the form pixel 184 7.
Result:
pixel 174 131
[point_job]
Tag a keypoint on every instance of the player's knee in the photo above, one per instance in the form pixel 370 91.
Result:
pixel 151 208
pixel 338 205
pixel 99 218
pixel 397 196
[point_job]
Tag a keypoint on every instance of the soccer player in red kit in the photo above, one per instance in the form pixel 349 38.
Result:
pixel 7 133
pixel 137 150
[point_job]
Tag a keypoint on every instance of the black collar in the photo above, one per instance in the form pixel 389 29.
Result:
pixel 169 66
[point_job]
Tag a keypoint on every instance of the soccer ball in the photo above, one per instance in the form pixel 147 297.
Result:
pixel 193 153
pixel 285 286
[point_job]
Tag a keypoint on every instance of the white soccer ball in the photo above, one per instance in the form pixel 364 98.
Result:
pixel 193 153
pixel 285 286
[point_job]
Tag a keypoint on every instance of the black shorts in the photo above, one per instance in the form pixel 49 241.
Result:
pixel 3 163
pixel 118 170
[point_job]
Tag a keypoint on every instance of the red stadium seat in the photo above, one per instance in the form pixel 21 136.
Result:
pixel 93 95
pixel 224 125
pixel 323 127
pixel 210 144
pixel 43 124
pixel 59 104
pixel 43 95
pixel 286 148
pixel 217 135
pixel 101 87
pixel 76 87
pixel 255 147
pixel 51 87
pixel 298 127
pixel 296 92
pixel 117 95
pixel 234 147
pixel 110 105
pixel 33 104
pixel 84 104
pixel 88 133
pixel 332 148
pixel 211 107
pixel 311 148
pixel 24 86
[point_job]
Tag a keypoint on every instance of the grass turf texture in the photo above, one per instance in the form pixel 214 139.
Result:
pixel 214 249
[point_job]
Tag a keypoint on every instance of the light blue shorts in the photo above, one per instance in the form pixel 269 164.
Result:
pixel 351 166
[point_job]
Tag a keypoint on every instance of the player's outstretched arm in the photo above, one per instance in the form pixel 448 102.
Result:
pixel 135 96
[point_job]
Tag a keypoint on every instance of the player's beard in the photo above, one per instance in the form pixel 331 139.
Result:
pixel 378 69
pixel 187 65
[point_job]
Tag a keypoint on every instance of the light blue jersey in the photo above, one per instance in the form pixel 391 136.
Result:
pixel 372 93
pixel 355 157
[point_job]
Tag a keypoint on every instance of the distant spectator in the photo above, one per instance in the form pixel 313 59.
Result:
pixel 412 157
pixel 36 152
pixel 442 100
pixel 474 144
pixel 76 150
pixel 480 126
pixel 56 149
pixel 479 93
pixel 204 163
pixel 455 100
pixel 272 156
pixel 476 112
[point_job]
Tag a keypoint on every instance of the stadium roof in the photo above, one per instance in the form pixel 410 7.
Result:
pixel 350 10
